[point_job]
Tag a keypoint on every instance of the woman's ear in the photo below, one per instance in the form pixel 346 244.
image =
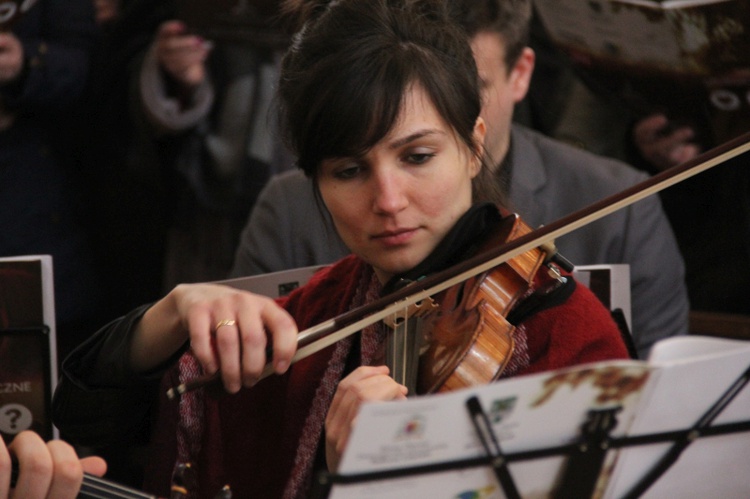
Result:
pixel 480 131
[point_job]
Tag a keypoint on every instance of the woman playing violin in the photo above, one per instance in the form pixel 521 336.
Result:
pixel 380 103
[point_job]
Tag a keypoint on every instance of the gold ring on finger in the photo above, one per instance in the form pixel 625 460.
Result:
pixel 225 322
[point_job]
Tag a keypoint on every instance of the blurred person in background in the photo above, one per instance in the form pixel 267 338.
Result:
pixel 44 65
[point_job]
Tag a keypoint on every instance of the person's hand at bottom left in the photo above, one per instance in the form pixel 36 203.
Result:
pixel 45 469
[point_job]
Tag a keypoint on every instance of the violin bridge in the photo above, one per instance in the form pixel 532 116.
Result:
pixel 422 308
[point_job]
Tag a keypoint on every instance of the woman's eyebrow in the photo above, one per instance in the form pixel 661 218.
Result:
pixel 414 136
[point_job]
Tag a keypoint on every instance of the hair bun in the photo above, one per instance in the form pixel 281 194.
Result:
pixel 299 12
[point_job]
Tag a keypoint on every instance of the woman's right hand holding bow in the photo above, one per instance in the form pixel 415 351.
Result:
pixel 228 330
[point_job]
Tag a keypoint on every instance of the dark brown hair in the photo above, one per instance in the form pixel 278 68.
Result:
pixel 343 79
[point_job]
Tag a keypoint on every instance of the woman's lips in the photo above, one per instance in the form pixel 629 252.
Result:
pixel 395 237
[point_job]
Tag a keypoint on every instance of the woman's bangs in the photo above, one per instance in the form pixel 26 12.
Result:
pixel 358 117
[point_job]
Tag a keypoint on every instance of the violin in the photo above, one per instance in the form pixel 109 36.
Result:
pixel 461 337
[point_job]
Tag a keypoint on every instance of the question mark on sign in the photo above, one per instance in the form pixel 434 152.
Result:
pixel 14 415
pixel 15 418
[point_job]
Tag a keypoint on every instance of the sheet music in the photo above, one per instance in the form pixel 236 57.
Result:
pixel 699 371
pixel 527 413
pixel 670 392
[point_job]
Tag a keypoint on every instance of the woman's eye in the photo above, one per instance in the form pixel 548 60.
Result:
pixel 348 172
pixel 418 158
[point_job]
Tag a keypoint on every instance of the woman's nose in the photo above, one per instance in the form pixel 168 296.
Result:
pixel 389 193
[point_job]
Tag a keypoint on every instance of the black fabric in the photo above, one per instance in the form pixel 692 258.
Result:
pixel 553 294
pixel 104 358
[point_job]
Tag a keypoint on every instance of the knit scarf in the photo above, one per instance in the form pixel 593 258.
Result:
pixel 190 423
pixel 372 339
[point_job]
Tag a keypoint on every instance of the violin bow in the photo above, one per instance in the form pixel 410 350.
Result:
pixel 318 337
